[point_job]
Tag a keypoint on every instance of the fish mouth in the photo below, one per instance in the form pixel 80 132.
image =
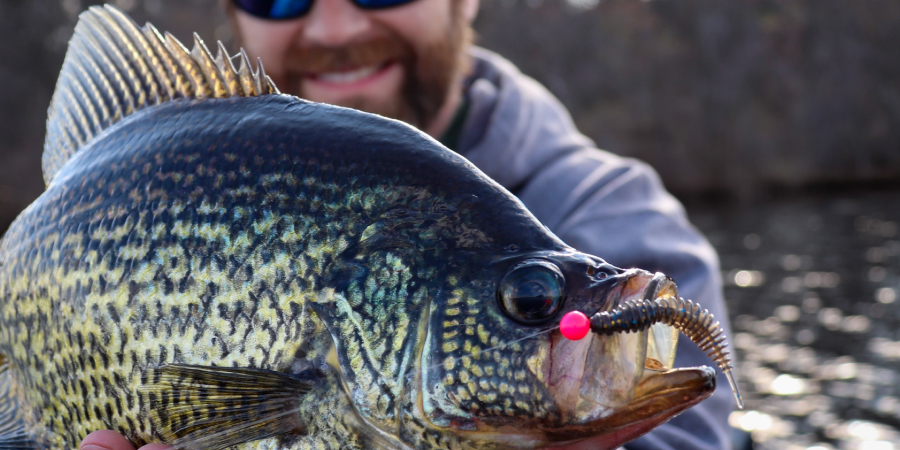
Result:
pixel 657 398
pixel 604 383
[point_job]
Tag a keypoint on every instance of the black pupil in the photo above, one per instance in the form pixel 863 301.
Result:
pixel 532 292
pixel 532 297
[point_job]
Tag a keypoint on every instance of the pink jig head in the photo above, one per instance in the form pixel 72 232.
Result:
pixel 574 325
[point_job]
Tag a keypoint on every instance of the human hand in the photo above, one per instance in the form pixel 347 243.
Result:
pixel 110 440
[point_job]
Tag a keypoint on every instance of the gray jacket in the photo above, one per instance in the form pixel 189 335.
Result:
pixel 602 204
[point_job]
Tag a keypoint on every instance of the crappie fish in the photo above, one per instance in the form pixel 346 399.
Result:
pixel 214 264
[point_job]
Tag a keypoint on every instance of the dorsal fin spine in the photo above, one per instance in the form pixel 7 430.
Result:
pixel 112 60
pixel 77 117
pixel 70 136
pixel 195 76
pixel 104 83
pixel 80 84
pixel 260 77
pixel 114 68
pixel 232 85
pixel 135 45
pixel 207 65
pixel 97 100
pixel 94 96
pixel 117 45
pixel 246 75
pixel 171 74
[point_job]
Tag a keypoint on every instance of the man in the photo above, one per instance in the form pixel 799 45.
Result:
pixel 412 60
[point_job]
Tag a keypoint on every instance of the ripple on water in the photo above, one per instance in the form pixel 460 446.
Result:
pixel 812 286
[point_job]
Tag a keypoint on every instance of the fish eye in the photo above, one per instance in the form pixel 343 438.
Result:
pixel 532 291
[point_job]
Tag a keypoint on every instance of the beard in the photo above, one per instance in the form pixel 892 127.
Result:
pixel 427 74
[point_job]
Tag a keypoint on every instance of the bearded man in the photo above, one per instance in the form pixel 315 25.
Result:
pixel 412 60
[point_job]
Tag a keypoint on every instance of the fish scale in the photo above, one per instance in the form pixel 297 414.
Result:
pixel 175 280
pixel 217 265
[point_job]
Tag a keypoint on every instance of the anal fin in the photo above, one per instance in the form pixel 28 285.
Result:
pixel 217 407
pixel 13 435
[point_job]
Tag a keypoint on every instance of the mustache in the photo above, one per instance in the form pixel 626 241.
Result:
pixel 317 58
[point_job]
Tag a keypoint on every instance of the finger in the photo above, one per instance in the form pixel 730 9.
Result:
pixel 106 440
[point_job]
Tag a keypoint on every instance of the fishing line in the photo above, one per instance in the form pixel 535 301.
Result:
pixel 407 381
pixel 414 373
pixel 686 316
pixel 194 442
pixel 496 347
pixel 630 317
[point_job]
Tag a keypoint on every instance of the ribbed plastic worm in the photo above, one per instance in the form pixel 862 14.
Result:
pixel 690 318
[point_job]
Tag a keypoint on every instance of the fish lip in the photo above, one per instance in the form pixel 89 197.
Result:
pixel 641 284
pixel 658 398
pixel 660 285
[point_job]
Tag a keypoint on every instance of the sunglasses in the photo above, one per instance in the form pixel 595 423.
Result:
pixel 292 9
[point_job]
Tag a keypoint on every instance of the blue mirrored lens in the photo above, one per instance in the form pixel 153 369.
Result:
pixel 285 9
pixel 275 9
pixel 290 9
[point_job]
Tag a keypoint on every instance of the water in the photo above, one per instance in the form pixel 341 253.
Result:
pixel 813 287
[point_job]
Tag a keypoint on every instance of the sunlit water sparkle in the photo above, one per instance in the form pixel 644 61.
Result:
pixel 812 289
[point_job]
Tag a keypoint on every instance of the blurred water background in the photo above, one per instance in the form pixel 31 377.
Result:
pixel 777 122
pixel 813 288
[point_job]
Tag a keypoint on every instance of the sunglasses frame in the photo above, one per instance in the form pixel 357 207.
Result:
pixel 311 3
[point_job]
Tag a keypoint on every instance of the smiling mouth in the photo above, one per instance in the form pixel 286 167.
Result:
pixel 351 76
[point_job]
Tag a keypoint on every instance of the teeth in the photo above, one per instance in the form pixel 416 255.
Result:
pixel 347 77
pixel 654 364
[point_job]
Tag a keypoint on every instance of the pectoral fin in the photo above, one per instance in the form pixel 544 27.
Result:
pixel 218 407
pixel 13 435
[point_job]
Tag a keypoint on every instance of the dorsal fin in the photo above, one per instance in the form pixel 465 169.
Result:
pixel 114 68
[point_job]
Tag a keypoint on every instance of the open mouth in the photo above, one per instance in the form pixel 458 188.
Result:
pixel 657 398
pixel 605 389
pixel 351 77
pixel 624 378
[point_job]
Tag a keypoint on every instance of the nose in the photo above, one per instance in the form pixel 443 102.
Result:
pixel 335 22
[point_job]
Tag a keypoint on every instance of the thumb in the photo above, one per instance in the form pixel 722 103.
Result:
pixel 105 440
pixel 110 440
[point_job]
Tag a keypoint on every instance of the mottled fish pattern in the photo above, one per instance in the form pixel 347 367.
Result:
pixel 215 265
pixel 171 252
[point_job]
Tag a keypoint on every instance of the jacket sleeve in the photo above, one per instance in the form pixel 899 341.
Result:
pixel 616 208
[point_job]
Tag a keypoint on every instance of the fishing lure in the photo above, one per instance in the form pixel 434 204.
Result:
pixel 696 322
